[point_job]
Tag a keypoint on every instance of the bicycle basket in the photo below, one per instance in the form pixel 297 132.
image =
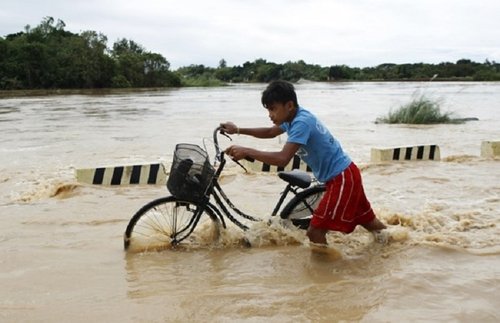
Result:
pixel 191 173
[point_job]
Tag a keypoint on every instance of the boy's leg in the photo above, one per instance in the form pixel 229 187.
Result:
pixel 374 225
pixel 317 235
pixel 369 220
pixel 377 229
pixel 367 217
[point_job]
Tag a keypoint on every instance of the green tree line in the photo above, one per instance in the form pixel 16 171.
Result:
pixel 262 71
pixel 49 57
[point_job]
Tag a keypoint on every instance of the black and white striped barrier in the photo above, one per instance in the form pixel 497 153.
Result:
pixel 148 174
pixel 425 152
pixel 490 149
pixel 257 166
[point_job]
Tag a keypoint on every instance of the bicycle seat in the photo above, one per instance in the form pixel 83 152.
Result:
pixel 296 178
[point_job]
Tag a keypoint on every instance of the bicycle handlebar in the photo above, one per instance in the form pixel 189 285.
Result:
pixel 219 155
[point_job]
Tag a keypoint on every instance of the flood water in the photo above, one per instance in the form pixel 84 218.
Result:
pixel 61 242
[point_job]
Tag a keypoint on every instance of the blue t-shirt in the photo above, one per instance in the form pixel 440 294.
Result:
pixel 318 148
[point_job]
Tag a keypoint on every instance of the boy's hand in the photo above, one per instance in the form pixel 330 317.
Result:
pixel 229 128
pixel 236 152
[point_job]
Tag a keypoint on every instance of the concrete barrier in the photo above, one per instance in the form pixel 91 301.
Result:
pixel 424 152
pixel 148 174
pixel 257 166
pixel 490 149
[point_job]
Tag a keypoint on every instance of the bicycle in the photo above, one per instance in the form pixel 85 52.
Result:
pixel 196 193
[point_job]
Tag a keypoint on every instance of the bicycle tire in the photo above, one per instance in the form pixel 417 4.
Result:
pixel 300 208
pixel 165 222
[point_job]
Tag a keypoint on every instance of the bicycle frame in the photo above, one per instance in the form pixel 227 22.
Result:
pixel 298 209
pixel 221 199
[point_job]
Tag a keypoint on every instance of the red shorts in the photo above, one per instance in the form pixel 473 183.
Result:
pixel 344 204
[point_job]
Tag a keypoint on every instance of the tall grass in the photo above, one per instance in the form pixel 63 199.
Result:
pixel 421 110
pixel 202 81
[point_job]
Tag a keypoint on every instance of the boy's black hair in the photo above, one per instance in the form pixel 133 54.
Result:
pixel 279 91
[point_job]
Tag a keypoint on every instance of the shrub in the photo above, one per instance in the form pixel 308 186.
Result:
pixel 421 110
pixel 202 81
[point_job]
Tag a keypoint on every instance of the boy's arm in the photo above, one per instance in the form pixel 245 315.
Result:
pixel 264 132
pixel 278 158
pixel 267 132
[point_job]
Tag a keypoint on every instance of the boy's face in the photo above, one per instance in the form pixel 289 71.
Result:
pixel 281 112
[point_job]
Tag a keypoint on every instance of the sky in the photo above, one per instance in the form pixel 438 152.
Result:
pixel 357 33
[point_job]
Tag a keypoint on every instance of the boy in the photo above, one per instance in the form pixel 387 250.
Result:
pixel 344 204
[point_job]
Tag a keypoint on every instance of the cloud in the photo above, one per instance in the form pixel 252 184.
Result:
pixel 325 32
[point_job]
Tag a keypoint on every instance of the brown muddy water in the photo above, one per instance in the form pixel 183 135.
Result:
pixel 61 242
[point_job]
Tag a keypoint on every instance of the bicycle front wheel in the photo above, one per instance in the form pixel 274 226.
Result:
pixel 165 222
pixel 301 207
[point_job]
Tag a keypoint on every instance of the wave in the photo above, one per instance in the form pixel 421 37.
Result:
pixel 461 159
pixel 468 232
pixel 46 190
pixel 471 226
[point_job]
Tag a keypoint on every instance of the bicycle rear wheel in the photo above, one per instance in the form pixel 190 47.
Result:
pixel 301 207
pixel 167 221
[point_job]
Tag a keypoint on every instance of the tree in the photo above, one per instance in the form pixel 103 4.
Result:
pixel 156 71
pixel 340 72
pixel 222 63
pixel 48 56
